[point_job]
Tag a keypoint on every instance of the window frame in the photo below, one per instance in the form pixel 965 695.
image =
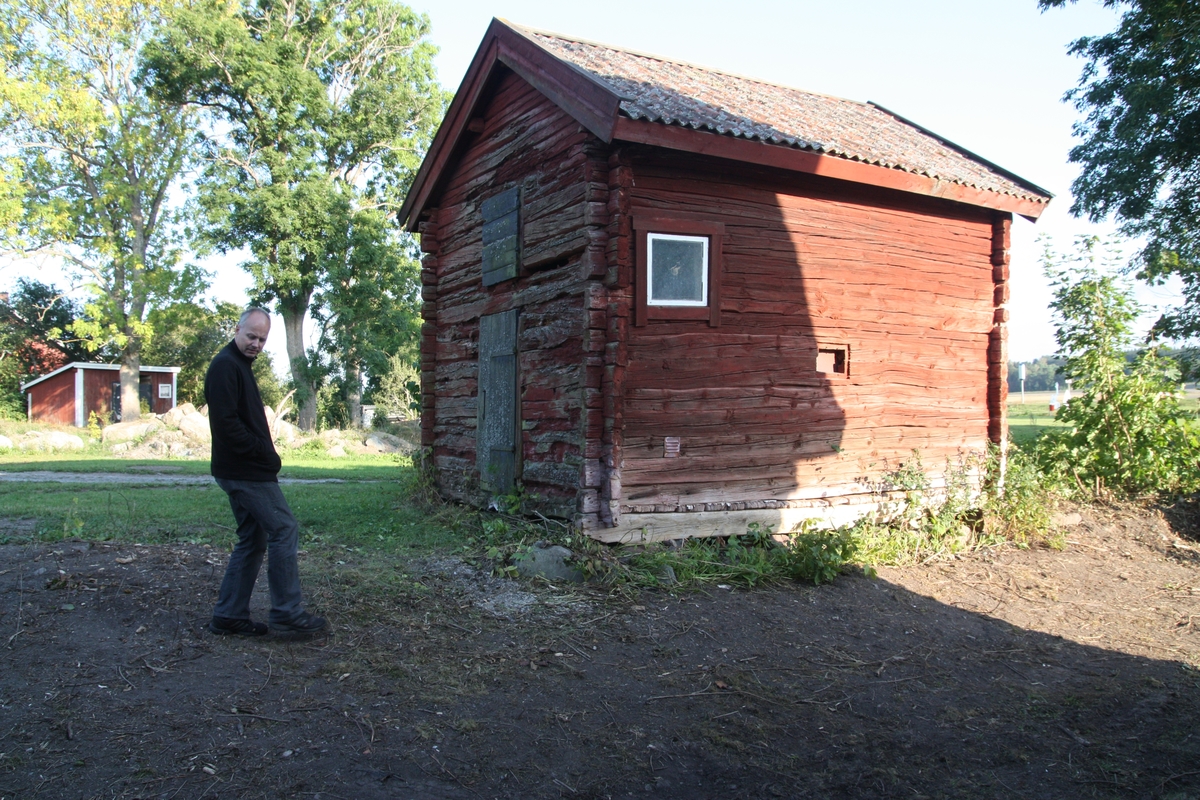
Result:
pixel 684 225
pixel 655 236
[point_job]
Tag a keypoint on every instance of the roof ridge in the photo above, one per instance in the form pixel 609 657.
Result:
pixel 655 57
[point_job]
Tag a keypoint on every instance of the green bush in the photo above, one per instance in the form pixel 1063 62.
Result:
pixel 1020 508
pixel 1125 433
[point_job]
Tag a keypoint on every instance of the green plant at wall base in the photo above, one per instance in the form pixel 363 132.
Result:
pixel 1020 509
pixel 915 520
pixel 1125 432
pixel 819 556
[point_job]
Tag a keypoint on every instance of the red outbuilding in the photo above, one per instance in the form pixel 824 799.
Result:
pixel 665 301
pixel 70 394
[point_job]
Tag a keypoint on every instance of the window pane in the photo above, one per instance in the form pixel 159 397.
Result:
pixel 677 270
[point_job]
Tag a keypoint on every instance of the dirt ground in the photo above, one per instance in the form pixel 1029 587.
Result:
pixel 1007 673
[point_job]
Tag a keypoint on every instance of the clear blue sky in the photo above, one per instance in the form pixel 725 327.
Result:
pixel 987 74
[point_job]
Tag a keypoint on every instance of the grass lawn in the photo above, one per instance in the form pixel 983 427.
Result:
pixel 1027 420
pixel 372 503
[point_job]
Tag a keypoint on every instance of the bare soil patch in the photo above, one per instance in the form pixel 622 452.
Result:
pixel 1009 673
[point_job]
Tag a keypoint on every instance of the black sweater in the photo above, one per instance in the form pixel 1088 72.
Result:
pixel 241 438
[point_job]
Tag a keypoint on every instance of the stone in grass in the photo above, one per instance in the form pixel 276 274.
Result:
pixel 172 417
pixel 55 440
pixel 386 443
pixel 128 431
pixel 195 427
pixel 5 443
pixel 548 561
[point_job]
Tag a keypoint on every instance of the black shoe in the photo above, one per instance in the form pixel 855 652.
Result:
pixel 305 623
pixel 225 626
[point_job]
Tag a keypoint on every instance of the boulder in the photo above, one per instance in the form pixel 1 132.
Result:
pixel 195 427
pixel 286 432
pixel 63 441
pixel 1065 519
pixel 5 443
pixel 548 561
pixel 337 451
pixel 127 431
pixel 177 413
pixel 386 443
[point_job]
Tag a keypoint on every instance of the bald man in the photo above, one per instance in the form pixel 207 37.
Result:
pixel 246 466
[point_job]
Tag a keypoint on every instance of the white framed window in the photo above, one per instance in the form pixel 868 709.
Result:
pixel 677 270
pixel 164 390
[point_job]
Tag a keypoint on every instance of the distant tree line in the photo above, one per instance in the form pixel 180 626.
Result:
pixel 1040 374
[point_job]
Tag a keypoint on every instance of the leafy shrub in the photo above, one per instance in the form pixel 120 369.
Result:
pixel 1020 509
pixel 818 556
pixel 1126 433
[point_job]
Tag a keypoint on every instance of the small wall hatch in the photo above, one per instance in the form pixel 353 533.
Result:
pixel 832 360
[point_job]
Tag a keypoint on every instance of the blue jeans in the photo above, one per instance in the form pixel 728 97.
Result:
pixel 265 527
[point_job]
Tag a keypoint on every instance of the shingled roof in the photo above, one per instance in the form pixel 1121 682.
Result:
pixel 616 93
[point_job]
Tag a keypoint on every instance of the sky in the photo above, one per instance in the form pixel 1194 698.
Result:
pixel 988 75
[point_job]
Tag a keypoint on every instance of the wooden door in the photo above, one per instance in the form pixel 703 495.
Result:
pixel 497 437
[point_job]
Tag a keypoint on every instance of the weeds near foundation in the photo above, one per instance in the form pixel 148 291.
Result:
pixel 918 521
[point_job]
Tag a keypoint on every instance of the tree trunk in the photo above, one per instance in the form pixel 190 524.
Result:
pixel 354 393
pixel 131 370
pixel 292 310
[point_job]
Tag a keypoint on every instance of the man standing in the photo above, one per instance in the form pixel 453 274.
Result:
pixel 246 466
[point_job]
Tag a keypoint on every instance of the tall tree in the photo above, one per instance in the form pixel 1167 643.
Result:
pixel 369 304
pixel 321 110
pixel 90 160
pixel 1140 140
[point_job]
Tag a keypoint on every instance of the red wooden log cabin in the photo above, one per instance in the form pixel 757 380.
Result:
pixel 70 394
pixel 667 301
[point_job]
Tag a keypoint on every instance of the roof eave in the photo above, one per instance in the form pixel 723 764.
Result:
pixel 93 365
pixel 799 160
pixel 578 93
pixel 1012 176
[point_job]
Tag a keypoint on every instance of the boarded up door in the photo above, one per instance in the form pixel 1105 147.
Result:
pixel 497 436
pixel 144 392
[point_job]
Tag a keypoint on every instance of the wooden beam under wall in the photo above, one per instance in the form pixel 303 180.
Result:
pixel 642 528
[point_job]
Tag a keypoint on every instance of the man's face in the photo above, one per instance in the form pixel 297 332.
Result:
pixel 251 336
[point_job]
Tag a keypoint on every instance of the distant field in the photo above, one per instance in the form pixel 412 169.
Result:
pixel 1029 418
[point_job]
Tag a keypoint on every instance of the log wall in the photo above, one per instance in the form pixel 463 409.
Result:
pixel 520 139
pixel 53 400
pixel 910 286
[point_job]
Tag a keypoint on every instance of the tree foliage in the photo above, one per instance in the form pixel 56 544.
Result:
pixel 1041 374
pixel 320 112
pixel 369 308
pixel 1140 139
pixel 1125 430
pixel 89 160
pixel 35 324
pixel 35 320
pixel 188 335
